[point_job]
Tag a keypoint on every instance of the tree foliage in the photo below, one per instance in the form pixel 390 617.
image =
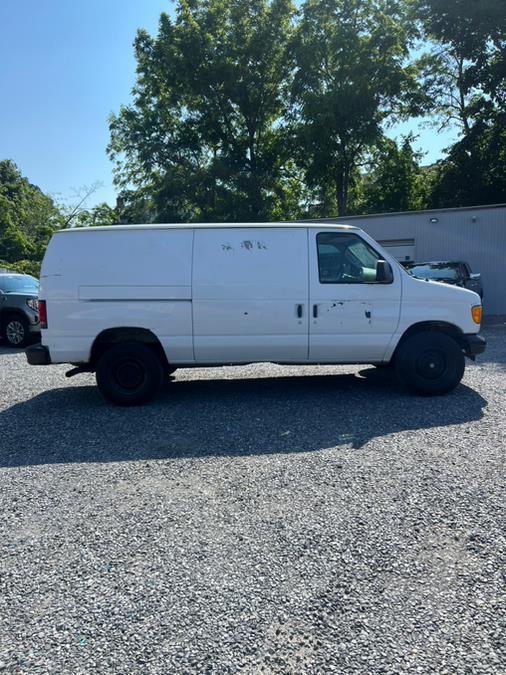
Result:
pixel 465 73
pixel 203 138
pixel 351 77
pixel 474 172
pixel 465 69
pixel 101 215
pixel 249 110
pixel 28 218
pixel 395 180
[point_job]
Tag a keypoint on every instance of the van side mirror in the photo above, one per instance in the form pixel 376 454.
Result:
pixel 384 274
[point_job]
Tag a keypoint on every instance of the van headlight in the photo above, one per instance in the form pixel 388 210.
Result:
pixel 33 303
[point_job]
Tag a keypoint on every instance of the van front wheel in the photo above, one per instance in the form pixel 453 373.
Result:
pixel 430 363
pixel 129 374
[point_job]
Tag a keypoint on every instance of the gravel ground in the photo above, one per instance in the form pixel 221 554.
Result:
pixel 253 520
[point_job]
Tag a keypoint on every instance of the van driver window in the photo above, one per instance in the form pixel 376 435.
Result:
pixel 345 259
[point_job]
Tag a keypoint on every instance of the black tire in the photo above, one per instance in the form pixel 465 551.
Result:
pixel 16 331
pixel 430 363
pixel 129 374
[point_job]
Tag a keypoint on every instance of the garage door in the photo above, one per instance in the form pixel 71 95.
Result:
pixel 402 249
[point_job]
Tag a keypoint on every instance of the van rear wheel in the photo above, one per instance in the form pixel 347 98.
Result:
pixel 430 363
pixel 129 374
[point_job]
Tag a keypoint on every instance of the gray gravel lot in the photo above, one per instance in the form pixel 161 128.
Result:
pixel 253 520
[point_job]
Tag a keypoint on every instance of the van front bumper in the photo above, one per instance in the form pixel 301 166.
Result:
pixel 474 344
pixel 38 355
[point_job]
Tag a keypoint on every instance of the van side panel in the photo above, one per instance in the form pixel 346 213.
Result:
pixel 108 279
pixel 247 286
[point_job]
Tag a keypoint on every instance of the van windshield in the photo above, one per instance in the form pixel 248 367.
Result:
pixel 13 283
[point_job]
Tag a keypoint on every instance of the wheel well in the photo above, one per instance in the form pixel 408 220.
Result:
pixel 114 336
pixel 434 326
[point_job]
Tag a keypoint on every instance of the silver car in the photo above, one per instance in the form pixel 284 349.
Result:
pixel 19 310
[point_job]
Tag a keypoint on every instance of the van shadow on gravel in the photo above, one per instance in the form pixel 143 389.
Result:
pixel 224 417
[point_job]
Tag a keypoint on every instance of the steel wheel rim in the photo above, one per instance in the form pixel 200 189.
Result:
pixel 129 374
pixel 15 332
pixel 431 364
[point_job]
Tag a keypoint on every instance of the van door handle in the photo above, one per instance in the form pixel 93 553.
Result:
pixel 299 311
pixel 315 311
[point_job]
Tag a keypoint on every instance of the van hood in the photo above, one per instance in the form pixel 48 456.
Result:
pixel 445 291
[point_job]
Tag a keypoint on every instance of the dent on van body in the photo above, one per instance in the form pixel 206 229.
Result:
pixel 338 309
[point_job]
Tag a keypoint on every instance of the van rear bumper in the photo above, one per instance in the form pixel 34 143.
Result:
pixel 38 355
pixel 474 344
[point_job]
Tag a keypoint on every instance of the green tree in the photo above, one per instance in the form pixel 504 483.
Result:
pixel 203 138
pixel 14 244
pixel 28 218
pixel 73 208
pixel 465 74
pixel 351 76
pixel 395 181
pixel 474 172
pixel 27 205
pixel 99 216
pixel 465 68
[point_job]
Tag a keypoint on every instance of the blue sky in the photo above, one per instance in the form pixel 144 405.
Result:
pixel 66 65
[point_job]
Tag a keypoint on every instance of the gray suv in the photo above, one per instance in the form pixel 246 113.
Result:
pixel 19 312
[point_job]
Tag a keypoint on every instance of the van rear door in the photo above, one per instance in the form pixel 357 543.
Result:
pixel 250 295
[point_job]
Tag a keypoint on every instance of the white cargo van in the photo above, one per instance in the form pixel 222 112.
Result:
pixel 134 303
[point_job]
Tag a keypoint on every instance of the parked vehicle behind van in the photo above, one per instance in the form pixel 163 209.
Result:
pixel 19 311
pixel 133 303
pixel 457 273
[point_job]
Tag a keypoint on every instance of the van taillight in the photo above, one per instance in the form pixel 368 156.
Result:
pixel 42 314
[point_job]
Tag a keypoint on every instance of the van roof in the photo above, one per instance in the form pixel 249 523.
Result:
pixel 210 226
